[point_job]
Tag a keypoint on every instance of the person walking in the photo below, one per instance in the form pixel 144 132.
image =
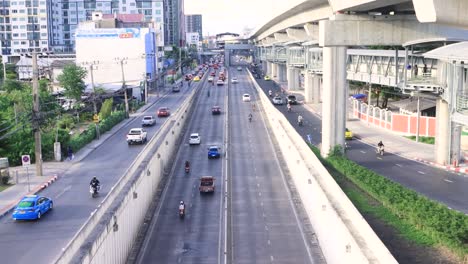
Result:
pixel 70 153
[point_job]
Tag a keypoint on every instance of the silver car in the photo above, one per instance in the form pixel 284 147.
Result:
pixel 278 100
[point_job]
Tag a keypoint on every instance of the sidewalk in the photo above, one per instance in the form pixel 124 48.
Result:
pixel 396 144
pixel 52 170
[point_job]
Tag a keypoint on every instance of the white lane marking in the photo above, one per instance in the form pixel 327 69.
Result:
pixel 363 152
pixel 258 184
pixel 399 165
pixel 269 242
pixel 266 228
pixel 64 190
pixel 272 258
pixel 379 158
pixel 420 172
pixel 448 180
pixel 259 194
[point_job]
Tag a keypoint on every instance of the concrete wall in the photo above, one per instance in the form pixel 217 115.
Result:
pixel 109 233
pixel 343 234
pixel 397 123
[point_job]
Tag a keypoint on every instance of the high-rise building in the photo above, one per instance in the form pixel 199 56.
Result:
pixel 50 24
pixel 23 26
pixel 193 23
pixel 174 23
pixel 65 15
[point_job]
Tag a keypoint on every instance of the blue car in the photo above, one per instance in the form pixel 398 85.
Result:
pixel 213 152
pixel 32 207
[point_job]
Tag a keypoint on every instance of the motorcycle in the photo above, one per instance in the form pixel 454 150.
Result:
pixel 300 122
pixel 250 119
pixel 181 213
pixel 94 190
pixel 187 169
pixel 380 150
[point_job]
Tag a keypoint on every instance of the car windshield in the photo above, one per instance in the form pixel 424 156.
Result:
pixel 25 204
pixel 206 183
pixel 214 149
pixel 194 136
pixel 162 109
pixel 134 132
pixel 147 118
pixel 292 97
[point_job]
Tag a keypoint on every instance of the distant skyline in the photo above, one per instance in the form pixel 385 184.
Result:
pixel 234 15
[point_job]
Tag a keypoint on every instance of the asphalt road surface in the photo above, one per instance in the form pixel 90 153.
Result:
pixel 440 185
pixel 42 241
pixel 261 224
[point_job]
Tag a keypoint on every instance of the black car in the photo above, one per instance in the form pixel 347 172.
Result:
pixel 292 99
pixel 216 110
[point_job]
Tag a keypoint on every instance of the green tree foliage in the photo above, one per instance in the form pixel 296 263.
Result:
pixel 72 81
pixel 106 108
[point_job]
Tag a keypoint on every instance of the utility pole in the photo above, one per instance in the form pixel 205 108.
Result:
pixel 95 116
pixel 36 117
pixel 123 61
pixel 418 109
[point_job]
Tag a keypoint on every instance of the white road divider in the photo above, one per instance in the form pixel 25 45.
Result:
pixel 343 234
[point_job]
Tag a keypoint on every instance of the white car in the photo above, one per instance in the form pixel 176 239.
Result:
pixel 210 79
pixel 219 82
pixel 234 80
pixel 148 121
pixel 277 100
pixel 194 139
pixel 239 68
pixel 246 97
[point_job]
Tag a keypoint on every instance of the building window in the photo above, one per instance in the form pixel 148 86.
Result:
pixel 157 12
pixel 15 42
pixel 44 42
pixel 23 42
pixel 132 4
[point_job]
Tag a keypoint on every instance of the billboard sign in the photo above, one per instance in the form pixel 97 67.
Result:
pixel 118 33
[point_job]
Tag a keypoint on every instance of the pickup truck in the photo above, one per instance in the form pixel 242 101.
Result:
pixel 206 184
pixel 136 135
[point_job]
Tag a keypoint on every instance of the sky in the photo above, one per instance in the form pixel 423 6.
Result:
pixel 234 15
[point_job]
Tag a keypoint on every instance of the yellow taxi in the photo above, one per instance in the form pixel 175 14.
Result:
pixel 267 78
pixel 348 134
pixel 196 79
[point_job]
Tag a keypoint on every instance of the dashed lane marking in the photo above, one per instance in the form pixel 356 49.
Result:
pixel 363 152
pixel 420 172
pixel 448 180
pixel 399 165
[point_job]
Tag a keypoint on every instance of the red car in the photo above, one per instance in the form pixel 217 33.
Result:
pixel 213 74
pixel 163 111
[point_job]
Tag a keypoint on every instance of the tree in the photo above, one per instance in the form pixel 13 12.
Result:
pixel 72 81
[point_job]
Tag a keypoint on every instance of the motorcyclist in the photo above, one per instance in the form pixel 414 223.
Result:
pixel 380 147
pixel 270 93
pixel 250 117
pixel 94 182
pixel 289 107
pixel 182 207
pixel 187 164
pixel 299 120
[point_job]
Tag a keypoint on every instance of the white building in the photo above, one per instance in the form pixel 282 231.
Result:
pixel 67 14
pixel 193 39
pixel 117 54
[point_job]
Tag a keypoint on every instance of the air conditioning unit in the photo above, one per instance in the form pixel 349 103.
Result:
pixel 96 16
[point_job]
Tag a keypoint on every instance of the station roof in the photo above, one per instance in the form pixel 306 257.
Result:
pixel 457 52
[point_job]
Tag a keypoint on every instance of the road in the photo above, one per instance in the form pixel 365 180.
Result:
pixel 261 225
pixel 440 185
pixel 41 241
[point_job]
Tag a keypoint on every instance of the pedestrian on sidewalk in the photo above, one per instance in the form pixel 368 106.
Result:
pixel 70 153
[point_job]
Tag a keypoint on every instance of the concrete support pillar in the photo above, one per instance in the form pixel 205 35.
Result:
pixel 268 71
pixel 334 98
pixel 274 70
pixel 455 149
pixel 293 78
pixel 308 87
pixel 316 89
pixel 442 141
pixel 264 66
pixel 281 72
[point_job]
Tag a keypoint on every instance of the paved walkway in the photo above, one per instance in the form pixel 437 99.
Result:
pixel 32 184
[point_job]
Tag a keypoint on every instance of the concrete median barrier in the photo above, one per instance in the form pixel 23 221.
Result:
pixel 108 234
pixel 343 234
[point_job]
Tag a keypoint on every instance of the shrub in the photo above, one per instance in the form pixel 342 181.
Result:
pixel 106 108
pixel 6 179
pixel 435 220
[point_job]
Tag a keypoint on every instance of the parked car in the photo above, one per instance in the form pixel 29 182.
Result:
pixel 216 110
pixel 32 207
pixel 136 135
pixel 194 139
pixel 277 100
pixel 292 99
pixel 163 111
pixel 234 80
pixel 348 134
pixel 213 152
pixel 148 121
pixel 246 97
pixel 206 184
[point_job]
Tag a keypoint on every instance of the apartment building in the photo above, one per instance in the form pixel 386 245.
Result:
pixel 174 23
pixel 193 23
